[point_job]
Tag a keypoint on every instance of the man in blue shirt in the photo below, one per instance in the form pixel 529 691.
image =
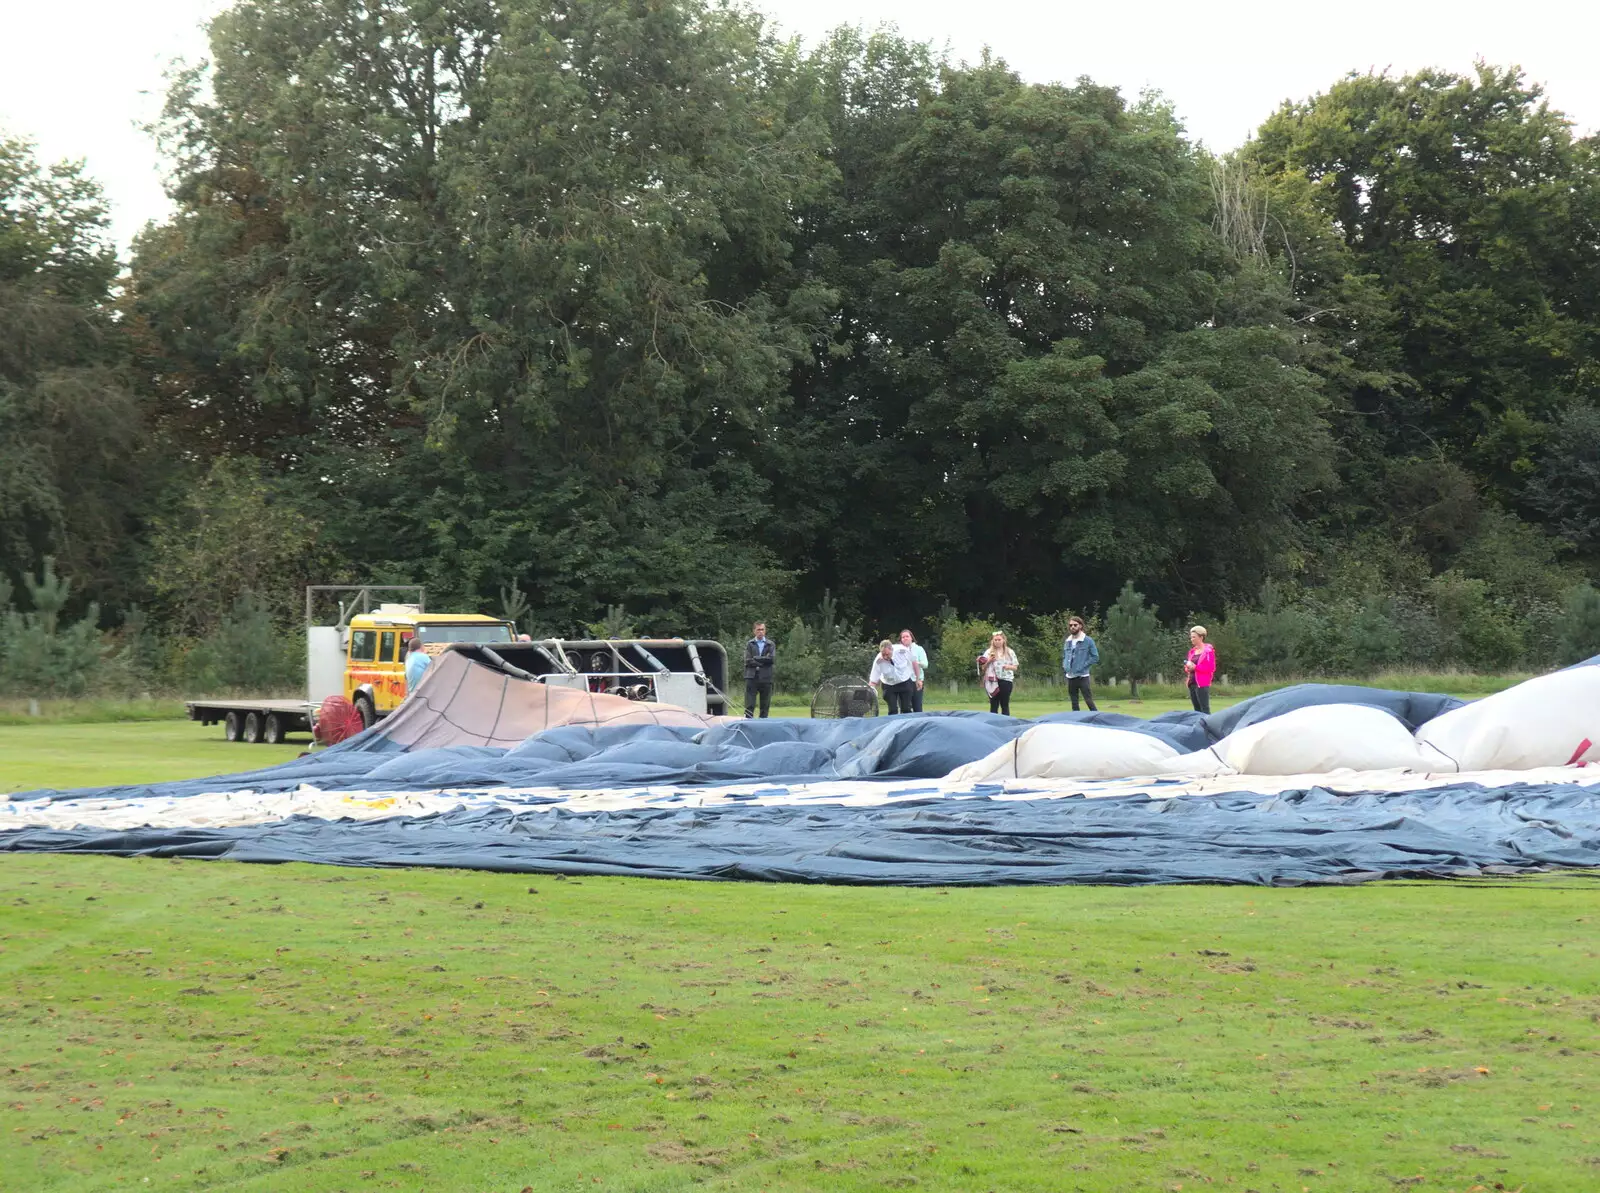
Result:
pixel 1078 654
pixel 417 661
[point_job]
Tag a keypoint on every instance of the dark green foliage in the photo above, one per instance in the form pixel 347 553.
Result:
pixel 615 624
pixel 1579 626
pixel 487 297
pixel 803 663
pixel 41 654
pixel 622 314
pixel 1478 633
pixel 238 531
pixel 815 646
pixel 514 608
pixel 72 465
pixel 1274 638
pixel 1477 211
pixel 248 651
pixel 1134 646
pixel 1026 381
pixel 1565 486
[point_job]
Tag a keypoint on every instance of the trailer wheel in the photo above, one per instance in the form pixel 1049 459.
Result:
pixel 369 714
pixel 273 731
pixel 233 726
pixel 252 727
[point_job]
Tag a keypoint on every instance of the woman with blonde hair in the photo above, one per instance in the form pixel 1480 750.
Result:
pixel 1200 664
pixel 998 667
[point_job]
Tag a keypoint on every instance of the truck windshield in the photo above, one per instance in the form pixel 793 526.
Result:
pixel 464 633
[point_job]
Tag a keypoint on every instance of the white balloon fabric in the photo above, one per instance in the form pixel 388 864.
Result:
pixel 1553 720
pixel 1070 752
pixel 1328 737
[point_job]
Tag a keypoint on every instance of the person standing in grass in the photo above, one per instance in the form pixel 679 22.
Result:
pixel 920 657
pixel 894 673
pixel 1201 666
pixel 759 660
pixel 1078 655
pixel 998 667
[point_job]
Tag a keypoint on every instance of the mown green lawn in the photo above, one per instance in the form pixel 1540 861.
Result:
pixel 65 755
pixel 194 1025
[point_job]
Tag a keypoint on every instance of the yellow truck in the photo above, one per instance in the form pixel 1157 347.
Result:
pixel 375 653
pixel 361 655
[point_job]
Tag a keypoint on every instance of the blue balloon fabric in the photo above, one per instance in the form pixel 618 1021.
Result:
pixel 1307 836
pixel 906 747
pixel 1301 837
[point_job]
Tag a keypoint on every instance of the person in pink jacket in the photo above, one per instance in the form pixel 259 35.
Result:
pixel 1201 666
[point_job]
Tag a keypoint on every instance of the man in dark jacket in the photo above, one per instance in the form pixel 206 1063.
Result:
pixel 759 657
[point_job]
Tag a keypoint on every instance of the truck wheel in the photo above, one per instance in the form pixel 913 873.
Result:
pixel 273 731
pixel 369 715
pixel 252 727
pixel 233 726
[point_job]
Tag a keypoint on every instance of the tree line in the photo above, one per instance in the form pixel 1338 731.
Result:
pixel 627 311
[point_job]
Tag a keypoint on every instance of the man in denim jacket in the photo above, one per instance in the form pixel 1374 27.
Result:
pixel 1078 655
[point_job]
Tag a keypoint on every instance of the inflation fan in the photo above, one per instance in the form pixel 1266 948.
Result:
pixel 844 696
pixel 337 720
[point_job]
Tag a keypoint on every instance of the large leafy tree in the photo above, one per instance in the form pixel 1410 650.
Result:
pixel 496 284
pixel 1478 212
pixel 1034 385
pixel 310 240
pixel 70 429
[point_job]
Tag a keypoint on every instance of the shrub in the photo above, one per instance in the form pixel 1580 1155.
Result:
pixel 40 657
pixel 249 650
pixel 1475 632
pixel 1275 638
pixel 961 641
pixel 1578 628
pixel 1357 637
pixel 1232 654
pixel 799 661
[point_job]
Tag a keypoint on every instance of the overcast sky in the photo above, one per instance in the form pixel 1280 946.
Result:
pixel 78 76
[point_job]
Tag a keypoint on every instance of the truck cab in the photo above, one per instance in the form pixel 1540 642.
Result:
pixel 375 658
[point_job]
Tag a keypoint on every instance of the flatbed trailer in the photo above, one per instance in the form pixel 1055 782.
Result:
pixel 255 720
pixel 260 719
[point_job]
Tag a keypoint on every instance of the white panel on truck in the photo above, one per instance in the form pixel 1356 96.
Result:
pixel 324 662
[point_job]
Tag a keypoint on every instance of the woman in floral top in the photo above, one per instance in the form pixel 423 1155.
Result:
pixel 998 667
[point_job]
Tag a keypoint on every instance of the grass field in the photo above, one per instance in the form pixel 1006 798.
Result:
pixel 65 754
pixel 192 1025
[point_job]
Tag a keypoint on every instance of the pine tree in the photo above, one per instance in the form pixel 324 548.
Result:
pixel 1133 642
